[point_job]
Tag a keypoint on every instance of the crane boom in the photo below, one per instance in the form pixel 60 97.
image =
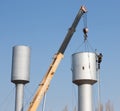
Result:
pixel 72 30
pixel 43 86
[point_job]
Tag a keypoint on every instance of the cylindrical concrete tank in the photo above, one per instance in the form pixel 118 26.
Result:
pixel 20 64
pixel 84 68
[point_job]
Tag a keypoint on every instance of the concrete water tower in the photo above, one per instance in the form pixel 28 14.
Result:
pixel 20 73
pixel 84 67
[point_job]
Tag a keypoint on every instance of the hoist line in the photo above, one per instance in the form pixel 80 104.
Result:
pixel 44 102
pixel 4 103
pixel 85 20
pixel 31 95
pixel 99 91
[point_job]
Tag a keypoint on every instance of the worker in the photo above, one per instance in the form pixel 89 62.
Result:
pixel 100 58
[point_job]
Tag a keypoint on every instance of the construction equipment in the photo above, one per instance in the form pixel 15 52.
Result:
pixel 43 86
pixel 85 31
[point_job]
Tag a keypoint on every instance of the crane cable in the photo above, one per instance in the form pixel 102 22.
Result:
pixel 44 102
pixel 99 91
pixel 85 29
pixel 99 58
pixel 85 42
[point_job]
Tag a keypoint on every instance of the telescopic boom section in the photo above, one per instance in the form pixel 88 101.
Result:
pixel 43 86
pixel 72 30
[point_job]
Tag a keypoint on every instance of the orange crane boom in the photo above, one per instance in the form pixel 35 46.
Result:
pixel 43 86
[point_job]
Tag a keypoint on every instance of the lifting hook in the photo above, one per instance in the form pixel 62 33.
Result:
pixel 85 31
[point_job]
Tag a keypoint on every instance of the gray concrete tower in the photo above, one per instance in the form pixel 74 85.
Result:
pixel 84 66
pixel 20 73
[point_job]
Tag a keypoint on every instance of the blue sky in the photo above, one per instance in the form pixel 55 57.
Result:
pixel 42 25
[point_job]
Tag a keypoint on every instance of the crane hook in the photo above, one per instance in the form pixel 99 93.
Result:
pixel 85 31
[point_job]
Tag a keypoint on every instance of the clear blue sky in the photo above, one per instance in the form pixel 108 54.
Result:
pixel 42 25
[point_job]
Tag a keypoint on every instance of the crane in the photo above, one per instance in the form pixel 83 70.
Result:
pixel 44 85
